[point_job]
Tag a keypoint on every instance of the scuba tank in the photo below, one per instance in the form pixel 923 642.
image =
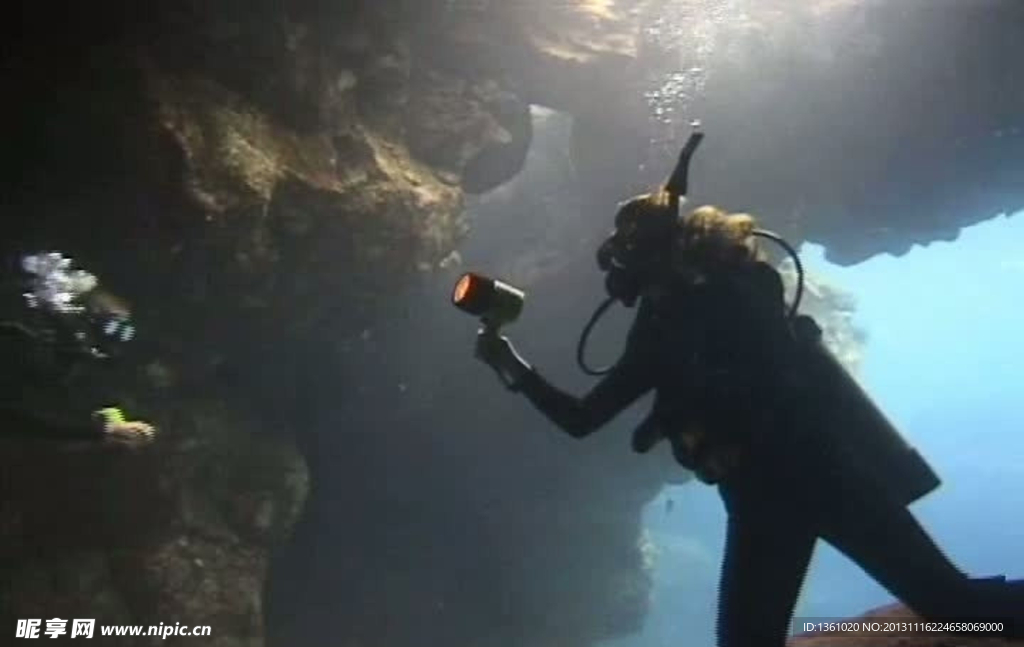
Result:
pixel 855 430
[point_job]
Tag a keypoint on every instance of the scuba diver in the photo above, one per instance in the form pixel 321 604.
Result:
pixel 58 328
pixel 751 401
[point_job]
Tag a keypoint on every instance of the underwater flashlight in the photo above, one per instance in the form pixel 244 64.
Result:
pixel 495 302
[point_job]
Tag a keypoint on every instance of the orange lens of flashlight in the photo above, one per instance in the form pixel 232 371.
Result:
pixel 463 288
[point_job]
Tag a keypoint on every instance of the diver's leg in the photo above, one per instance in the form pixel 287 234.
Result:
pixel 887 541
pixel 766 559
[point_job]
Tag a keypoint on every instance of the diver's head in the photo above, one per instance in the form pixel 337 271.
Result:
pixel 110 316
pixel 710 239
pixel 651 242
pixel 640 245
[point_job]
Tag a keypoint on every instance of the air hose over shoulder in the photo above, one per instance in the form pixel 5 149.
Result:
pixel 677 185
pixel 782 242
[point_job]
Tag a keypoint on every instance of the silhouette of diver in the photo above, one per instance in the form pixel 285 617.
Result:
pixel 57 329
pixel 751 401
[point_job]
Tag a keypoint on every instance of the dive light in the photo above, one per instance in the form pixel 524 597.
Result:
pixel 495 302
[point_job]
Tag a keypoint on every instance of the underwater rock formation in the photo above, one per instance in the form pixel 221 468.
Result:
pixel 861 126
pixel 207 167
pixel 258 186
pixel 178 531
pixel 833 309
pixel 893 613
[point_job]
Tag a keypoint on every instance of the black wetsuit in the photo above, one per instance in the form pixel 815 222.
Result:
pixel 722 354
pixel 49 384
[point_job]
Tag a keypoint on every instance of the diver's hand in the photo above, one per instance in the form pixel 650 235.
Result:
pixel 134 431
pixel 497 352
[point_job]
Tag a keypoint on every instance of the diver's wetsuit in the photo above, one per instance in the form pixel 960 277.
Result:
pixel 721 355
pixel 47 388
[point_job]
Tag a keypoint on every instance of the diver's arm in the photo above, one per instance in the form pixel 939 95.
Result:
pixel 632 376
pixel 17 421
pixel 105 424
pixel 579 417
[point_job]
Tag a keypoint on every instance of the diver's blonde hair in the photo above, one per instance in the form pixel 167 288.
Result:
pixel 706 239
pixel 709 237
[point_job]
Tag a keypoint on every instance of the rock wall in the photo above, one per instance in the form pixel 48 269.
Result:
pixel 861 126
pixel 258 182
pixel 176 532
pixel 255 190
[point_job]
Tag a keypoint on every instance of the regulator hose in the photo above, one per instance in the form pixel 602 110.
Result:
pixel 782 242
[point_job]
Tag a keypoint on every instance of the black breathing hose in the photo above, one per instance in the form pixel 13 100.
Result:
pixel 782 242
pixel 677 186
pixel 581 347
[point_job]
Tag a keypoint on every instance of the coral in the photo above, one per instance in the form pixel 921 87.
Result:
pixel 834 309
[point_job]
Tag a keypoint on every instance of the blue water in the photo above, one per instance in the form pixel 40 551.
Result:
pixel 945 360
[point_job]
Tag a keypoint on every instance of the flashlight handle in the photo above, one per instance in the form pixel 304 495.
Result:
pixel 489 336
pixel 509 374
pixel 508 380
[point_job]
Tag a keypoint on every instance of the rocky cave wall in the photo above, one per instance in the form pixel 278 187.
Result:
pixel 855 124
pixel 218 167
pixel 257 179
pixel 256 183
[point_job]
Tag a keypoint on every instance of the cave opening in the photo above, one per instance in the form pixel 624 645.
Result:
pixel 516 225
pixel 457 535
